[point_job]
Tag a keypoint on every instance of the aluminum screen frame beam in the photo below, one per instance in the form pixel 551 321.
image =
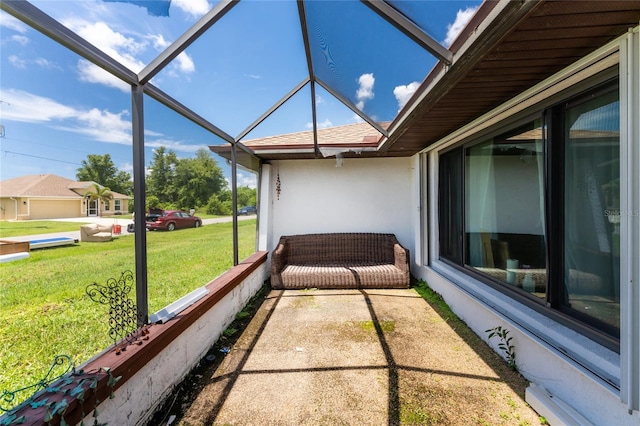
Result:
pixel 302 13
pixel 139 185
pixel 40 21
pixel 188 37
pixel 353 108
pixel 187 113
pixel 411 30
pixel 234 204
pixel 271 110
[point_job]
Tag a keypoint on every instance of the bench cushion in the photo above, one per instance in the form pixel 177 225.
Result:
pixel 352 276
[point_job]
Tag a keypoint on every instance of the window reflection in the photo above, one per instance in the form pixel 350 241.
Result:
pixel 505 209
pixel 592 208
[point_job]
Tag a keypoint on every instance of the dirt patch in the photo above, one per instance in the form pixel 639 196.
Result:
pixel 370 357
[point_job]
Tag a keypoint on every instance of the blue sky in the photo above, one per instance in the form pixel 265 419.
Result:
pixel 56 108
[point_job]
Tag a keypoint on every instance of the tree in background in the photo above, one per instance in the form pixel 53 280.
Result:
pixel 184 183
pixel 161 177
pixel 218 207
pixel 220 204
pixel 246 196
pixel 197 179
pixel 100 169
pixel 100 193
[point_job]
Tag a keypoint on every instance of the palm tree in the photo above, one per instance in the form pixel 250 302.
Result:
pixel 101 193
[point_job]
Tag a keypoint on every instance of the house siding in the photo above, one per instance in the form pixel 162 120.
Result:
pixel 569 365
pixel 8 209
pixel 53 209
pixel 48 196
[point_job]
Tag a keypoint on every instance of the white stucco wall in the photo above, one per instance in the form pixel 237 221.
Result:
pixel 364 195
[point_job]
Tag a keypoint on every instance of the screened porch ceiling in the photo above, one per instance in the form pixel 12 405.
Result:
pixel 310 51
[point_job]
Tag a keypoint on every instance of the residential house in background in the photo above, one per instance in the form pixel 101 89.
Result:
pixel 50 196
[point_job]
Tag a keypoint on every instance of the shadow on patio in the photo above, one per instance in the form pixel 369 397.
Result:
pixel 356 357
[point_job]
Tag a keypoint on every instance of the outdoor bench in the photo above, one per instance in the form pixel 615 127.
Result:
pixel 339 261
pixel 94 232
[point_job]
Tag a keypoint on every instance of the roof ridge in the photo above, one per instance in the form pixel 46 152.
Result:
pixel 35 182
pixel 383 124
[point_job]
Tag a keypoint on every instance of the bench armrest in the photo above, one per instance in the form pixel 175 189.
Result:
pixel 278 258
pixel 278 262
pixel 401 255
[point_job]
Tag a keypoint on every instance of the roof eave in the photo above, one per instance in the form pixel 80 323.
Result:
pixel 489 25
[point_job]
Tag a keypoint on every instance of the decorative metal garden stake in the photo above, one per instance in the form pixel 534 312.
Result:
pixel 123 325
pixel 62 364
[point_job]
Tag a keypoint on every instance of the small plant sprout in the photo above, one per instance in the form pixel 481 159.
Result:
pixel 504 345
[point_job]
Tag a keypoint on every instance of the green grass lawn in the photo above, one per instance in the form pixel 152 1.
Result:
pixel 33 227
pixel 44 310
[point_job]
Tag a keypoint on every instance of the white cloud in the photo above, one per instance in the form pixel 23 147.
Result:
pixel 17 62
pixel 12 23
pixel 94 74
pixel 185 63
pixel 45 63
pixel 41 62
pixel 254 76
pixel 102 126
pixel 158 41
pixel 120 47
pixel 404 92
pixel 126 167
pixel 150 133
pixel 321 125
pixel 99 125
pixel 20 39
pixel 249 180
pixel 325 124
pixel 27 107
pixel 365 90
pixel 124 48
pixel 195 8
pixel 462 18
pixel 319 100
pixel 172 145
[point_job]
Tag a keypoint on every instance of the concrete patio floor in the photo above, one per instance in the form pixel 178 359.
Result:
pixel 357 357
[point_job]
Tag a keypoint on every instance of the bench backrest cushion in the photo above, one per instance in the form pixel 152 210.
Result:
pixel 339 248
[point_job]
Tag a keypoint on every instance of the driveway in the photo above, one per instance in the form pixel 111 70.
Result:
pixel 105 221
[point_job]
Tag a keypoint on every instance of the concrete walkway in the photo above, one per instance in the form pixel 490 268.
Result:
pixel 356 357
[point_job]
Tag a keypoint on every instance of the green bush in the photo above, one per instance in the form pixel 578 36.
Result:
pixel 218 207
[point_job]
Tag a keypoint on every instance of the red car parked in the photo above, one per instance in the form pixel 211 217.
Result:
pixel 169 220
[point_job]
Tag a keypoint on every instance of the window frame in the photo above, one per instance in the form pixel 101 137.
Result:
pixel 550 113
pixel 555 252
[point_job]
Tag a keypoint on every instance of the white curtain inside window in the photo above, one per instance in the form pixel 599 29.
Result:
pixel 480 215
